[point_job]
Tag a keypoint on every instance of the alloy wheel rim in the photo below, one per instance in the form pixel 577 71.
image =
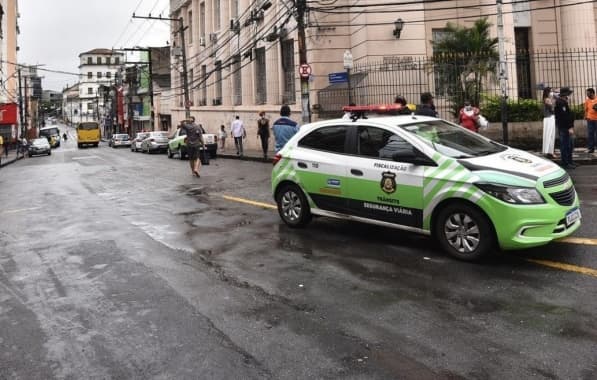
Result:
pixel 462 233
pixel 291 206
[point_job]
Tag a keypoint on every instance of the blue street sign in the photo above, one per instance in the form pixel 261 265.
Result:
pixel 341 77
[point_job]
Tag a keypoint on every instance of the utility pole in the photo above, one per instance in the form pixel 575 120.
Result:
pixel 503 72
pixel 21 104
pixel 185 80
pixel 150 84
pixel 301 6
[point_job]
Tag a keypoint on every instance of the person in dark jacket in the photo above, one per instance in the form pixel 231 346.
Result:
pixel 426 108
pixel 263 132
pixel 565 125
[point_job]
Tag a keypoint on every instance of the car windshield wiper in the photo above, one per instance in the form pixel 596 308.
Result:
pixel 486 152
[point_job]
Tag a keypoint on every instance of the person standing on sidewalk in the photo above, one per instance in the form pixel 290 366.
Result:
pixel 284 128
pixel 565 124
pixel 591 118
pixel 1 148
pixel 223 135
pixel 237 130
pixel 263 132
pixel 194 142
pixel 549 123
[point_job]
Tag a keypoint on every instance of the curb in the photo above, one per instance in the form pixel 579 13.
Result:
pixel 245 158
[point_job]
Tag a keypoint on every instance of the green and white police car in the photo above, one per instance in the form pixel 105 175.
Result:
pixel 424 175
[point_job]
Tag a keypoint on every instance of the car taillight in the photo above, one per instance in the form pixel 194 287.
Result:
pixel 277 158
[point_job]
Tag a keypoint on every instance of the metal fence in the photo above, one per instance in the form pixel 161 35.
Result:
pixel 527 72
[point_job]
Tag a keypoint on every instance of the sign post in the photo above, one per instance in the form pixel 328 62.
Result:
pixel 348 65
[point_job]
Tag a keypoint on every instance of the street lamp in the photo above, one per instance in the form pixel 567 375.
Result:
pixel 398 25
pixel 348 65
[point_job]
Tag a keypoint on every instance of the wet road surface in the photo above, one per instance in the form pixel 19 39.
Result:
pixel 116 264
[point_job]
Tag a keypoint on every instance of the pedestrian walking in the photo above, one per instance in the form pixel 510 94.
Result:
pixel 406 108
pixel 591 118
pixel 565 124
pixel 194 142
pixel 1 148
pixel 427 107
pixel 263 132
pixel 223 137
pixel 468 117
pixel 237 130
pixel 284 128
pixel 549 123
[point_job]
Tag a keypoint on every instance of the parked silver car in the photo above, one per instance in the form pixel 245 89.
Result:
pixel 39 146
pixel 119 139
pixel 155 142
pixel 136 142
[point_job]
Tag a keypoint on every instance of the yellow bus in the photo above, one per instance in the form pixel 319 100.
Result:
pixel 88 133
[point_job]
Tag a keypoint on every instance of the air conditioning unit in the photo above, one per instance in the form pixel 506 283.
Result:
pixel 202 41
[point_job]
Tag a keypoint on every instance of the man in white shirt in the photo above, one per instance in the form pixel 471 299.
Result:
pixel 237 130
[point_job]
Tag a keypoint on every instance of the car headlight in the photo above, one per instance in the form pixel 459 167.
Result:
pixel 514 195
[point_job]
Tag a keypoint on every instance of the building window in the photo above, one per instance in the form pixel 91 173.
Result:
pixel 190 28
pixel 89 60
pixel 234 8
pixel 218 89
pixel 237 84
pixel 288 69
pixel 89 90
pixel 116 60
pixel 216 15
pixel 202 20
pixel 89 75
pixel 89 106
pixel 108 75
pixel 191 79
pixel 107 60
pixel 260 77
pixel 99 60
pixel 99 75
pixel 203 100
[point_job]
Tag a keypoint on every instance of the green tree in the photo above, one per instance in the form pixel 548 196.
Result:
pixel 464 59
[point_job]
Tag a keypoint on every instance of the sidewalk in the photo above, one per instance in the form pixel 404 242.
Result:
pixel 12 157
pixel 579 156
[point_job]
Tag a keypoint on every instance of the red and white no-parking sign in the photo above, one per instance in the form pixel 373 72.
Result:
pixel 305 70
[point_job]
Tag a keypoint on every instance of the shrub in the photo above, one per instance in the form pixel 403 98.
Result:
pixel 520 110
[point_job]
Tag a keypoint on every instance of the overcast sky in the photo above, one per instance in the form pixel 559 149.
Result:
pixel 54 33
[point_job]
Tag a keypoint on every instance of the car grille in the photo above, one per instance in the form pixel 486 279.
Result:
pixel 556 181
pixel 564 197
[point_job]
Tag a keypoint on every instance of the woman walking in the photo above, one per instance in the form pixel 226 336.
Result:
pixel 549 123
pixel 263 132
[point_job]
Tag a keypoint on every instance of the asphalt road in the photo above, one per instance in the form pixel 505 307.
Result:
pixel 116 264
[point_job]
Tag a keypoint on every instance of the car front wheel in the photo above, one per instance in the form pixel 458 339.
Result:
pixel 464 232
pixel 293 206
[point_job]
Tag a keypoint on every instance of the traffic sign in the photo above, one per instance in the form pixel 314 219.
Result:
pixel 305 70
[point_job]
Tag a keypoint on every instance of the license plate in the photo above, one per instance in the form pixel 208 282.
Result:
pixel 572 216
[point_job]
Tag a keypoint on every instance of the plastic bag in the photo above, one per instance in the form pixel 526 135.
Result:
pixel 482 122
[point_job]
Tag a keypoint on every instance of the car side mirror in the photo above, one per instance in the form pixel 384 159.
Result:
pixel 414 156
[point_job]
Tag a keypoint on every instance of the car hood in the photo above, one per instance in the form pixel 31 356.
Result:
pixel 509 165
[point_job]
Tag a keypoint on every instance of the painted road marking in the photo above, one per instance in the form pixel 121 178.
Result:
pixel 547 263
pixel 577 240
pixel 19 210
pixel 87 157
pixel 565 267
pixel 249 202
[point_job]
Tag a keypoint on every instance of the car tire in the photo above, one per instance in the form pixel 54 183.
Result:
pixel 169 153
pixel 180 153
pixel 78 145
pixel 293 206
pixel 49 153
pixel 464 231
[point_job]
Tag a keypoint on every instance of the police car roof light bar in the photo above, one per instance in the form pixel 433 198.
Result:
pixel 377 108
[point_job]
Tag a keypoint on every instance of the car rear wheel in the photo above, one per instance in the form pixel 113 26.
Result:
pixel 169 152
pixel 464 232
pixel 181 154
pixel 293 206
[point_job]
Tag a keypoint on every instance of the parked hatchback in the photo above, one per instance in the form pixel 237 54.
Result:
pixel 119 139
pixel 39 146
pixel 155 142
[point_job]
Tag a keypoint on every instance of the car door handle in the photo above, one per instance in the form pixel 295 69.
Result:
pixel 356 172
pixel 302 165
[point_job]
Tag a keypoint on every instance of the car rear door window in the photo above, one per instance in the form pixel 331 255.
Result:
pixel 330 139
pixel 378 143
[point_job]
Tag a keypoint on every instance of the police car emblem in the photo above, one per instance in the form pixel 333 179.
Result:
pixel 517 158
pixel 388 182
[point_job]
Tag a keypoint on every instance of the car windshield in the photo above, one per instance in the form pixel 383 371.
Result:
pixel 40 142
pixel 161 134
pixel 453 140
pixel 121 137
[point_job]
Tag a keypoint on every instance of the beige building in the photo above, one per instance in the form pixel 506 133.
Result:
pixel 243 55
